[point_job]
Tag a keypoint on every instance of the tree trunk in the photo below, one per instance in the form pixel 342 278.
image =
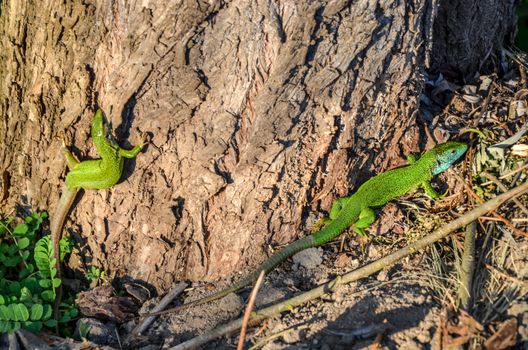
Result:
pixel 260 112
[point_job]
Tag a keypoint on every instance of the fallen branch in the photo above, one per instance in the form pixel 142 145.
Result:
pixel 467 267
pixel 166 300
pixel 357 274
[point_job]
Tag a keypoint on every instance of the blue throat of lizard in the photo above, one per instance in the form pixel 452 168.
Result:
pixel 446 154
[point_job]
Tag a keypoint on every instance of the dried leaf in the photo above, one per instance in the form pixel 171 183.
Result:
pixel 520 150
pixel 102 302
pixel 504 338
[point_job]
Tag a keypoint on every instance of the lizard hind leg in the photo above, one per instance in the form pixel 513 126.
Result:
pixel 366 217
pixel 71 159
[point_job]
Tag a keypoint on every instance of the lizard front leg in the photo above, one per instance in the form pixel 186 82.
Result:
pixel 132 153
pixel 337 206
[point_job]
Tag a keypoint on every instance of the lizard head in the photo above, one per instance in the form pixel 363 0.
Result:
pixel 446 154
pixel 102 128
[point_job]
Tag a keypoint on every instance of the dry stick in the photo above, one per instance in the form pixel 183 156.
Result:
pixel 467 266
pixel 356 274
pixel 249 308
pixel 166 300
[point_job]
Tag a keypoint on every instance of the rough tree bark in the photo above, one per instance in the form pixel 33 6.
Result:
pixel 260 112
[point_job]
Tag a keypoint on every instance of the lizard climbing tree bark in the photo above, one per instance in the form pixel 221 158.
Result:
pixel 259 113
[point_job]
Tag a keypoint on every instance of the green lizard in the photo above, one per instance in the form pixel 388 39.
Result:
pixel 94 174
pixel 357 209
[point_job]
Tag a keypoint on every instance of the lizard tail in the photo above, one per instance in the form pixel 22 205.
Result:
pixel 57 221
pixel 267 266
pixel 59 216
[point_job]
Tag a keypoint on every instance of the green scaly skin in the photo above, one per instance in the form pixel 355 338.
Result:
pixel 357 209
pixel 89 174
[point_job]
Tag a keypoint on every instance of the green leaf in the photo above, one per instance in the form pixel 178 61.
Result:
pixel 65 318
pixel 37 310
pixel 3 247
pixel 44 256
pixel 20 312
pixel 12 250
pixel 26 271
pixel 2 300
pixel 56 282
pixel 12 261
pixel 45 283
pixel 74 312
pixel 25 295
pixel 47 311
pixel 32 284
pixel 33 326
pixel 20 230
pixel 25 255
pixel 84 330
pixel 4 326
pixel 65 246
pixel 23 243
pixel 14 288
pixel 50 323
pixel 48 295
pixel 14 326
pixel 5 313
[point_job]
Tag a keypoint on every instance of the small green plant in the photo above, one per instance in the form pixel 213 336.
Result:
pixel 84 330
pixel 28 277
pixel 95 274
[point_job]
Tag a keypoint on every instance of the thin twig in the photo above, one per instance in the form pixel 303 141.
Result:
pixel 266 340
pixel 249 308
pixel 511 173
pixel 493 212
pixel 504 189
pixel 523 284
pixel 358 273
pixel 166 300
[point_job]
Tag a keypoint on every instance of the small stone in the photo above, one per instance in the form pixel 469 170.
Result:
pixel 292 336
pixel 268 295
pixel 354 263
pixel 373 252
pixel 342 260
pixel 382 276
pixel 309 259
pixel 289 282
